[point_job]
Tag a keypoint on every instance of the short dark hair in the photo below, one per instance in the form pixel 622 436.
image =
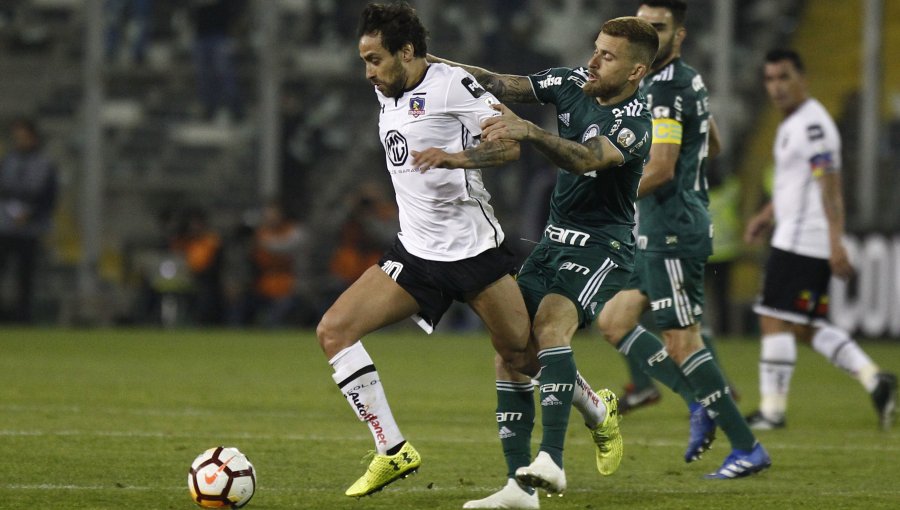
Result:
pixel 638 32
pixel 779 54
pixel 677 7
pixel 397 24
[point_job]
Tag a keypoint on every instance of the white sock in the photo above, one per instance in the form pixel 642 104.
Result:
pixel 844 353
pixel 777 358
pixel 588 403
pixel 358 381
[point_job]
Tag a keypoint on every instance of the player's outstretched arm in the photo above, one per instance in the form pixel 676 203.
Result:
pixel 484 155
pixel 595 154
pixel 509 88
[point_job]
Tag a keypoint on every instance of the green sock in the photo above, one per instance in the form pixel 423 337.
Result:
pixel 557 384
pixel 711 347
pixel 515 420
pixel 648 352
pixel 640 379
pixel 703 374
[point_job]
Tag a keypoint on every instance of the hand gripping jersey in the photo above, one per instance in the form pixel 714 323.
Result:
pixel 675 219
pixel 444 212
pixel 806 145
pixel 595 209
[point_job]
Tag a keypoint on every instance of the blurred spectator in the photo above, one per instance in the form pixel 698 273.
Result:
pixel 369 226
pixel 275 298
pixel 28 183
pixel 120 15
pixel 201 248
pixel 215 23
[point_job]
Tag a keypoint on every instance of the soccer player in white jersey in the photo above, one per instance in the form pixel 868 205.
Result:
pixel 807 212
pixel 450 246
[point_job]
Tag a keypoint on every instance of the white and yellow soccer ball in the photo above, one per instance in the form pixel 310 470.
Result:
pixel 221 477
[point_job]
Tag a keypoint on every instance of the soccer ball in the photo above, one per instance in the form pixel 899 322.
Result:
pixel 221 477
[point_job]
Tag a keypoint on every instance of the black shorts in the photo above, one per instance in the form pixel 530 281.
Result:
pixel 795 288
pixel 435 285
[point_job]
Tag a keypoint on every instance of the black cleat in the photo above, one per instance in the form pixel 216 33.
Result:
pixel 884 396
pixel 758 421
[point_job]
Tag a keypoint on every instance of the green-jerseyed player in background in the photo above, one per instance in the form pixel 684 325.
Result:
pixel 587 251
pixel 674 241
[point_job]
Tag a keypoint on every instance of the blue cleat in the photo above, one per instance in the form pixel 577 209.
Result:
pixel 742 463
pixel 703 433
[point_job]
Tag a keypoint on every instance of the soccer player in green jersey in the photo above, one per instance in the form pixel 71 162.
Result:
pixel 674 241
pixel 586 253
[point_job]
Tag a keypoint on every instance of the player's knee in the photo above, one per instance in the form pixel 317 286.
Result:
pixel 613 328
pixel 329 333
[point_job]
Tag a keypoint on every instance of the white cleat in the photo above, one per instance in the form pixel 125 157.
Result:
pixel 511 496
pixel 543 473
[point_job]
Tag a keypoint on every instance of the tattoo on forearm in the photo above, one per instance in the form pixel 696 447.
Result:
pixel 492 153
pixel 571 156
pixel 509 88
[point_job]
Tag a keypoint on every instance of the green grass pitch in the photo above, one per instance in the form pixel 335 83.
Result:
pixel 112 419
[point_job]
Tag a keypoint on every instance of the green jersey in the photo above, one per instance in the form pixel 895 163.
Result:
pixel 596 209
pixel 675 218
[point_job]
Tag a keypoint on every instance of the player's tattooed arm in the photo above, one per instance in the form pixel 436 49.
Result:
pixel 484 155
pixel 509 88
pixel 595 154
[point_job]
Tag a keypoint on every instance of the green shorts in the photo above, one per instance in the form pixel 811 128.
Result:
pixel 674 287
pixel 587 276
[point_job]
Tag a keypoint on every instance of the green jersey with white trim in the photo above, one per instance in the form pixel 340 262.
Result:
pixel 675 219
pixel 596 209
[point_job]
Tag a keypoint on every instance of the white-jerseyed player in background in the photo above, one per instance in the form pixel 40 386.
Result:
pixel 450 246
pixel 808 215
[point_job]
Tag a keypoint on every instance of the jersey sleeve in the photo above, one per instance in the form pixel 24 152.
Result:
pixel 632 138
pixel 667 109
pixel 548 83
pixel 824 147
pixel 469 102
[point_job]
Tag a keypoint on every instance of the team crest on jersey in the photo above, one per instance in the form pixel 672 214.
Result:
pixel 417 106
pixel 592 131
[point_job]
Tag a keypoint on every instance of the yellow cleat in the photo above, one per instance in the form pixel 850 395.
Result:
pixel 385 469
pixel 607 437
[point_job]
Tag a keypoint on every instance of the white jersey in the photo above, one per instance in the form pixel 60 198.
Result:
pixel 444 212
pixel 807 144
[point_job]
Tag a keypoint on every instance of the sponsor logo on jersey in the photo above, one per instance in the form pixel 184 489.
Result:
pixel 566 236
pixel 815 132
pixel 578 268
pixel 578 77
pixel 671 240
pixel 564 118
pixel 473 87
pixel 550 81
pixel 632 109
pixel 659 304
pixel 615 127
pixel 417 106
pixel 626 137
pixel 591 131
pixel 395 147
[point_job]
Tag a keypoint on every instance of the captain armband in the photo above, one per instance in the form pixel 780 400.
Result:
pixel 666 131
pixel 822 163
